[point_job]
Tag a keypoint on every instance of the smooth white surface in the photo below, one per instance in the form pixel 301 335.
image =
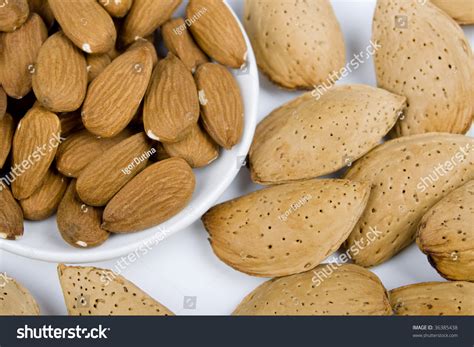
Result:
pixel 184 265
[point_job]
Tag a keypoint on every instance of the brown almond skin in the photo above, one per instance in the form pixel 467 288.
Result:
pixel 155 195
pixel 145 17
pixel 104 177
pixel 96 63
pixel 116 9
pixel 78 223
pixel 11 216
pixel 18 56
pixel 45 200
pixel 36 140
pixel 60 79
pixel 81 148
pixel 3 102
pixel 179 41
pixel 198 149
pixel 86 23
pixel 13 14
pixel 7 129
pixel 42 8
pixel 217 32
pixel 221 104
pixel 148 43
pixel 171 103
pixel 433 299
pixel 70 122
pixel 114 96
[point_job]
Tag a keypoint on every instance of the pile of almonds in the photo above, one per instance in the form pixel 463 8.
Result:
pixel 100 128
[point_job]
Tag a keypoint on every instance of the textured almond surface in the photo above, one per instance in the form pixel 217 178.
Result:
pixel 310 137
pixel 96 63
pixel 42 8
pixel 18 55
pixel 117 8
pixel 179 41
pixel 408 176
pixel 107 174
pixel 429 61
pixel 13 14
pixel 171 104
pixel 446 234
pixel 78 223
pixel 86 24
pixel 70 122
pixel 7 128
pixel 198 149
pixel 99 292
pixel 145 17
pixel 16 300
pixel 81 148
pixel 60 79
pixel 3 102
pixel 35 142
pixel 462 11
pixel 45 200
pixel 221 104
pixel 285 229
pixel 217 32
pixel 298 44
pixel 156 194
pixel 11 216
pixel 345 290
pixel 114 96
pixel 434 299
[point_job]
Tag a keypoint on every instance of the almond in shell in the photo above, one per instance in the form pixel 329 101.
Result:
pixel 462 11
pixel 7 129
pixel 285 229
pixel 11 216
pixel 80 224
pixel 86 23
pixel 16 300
pixel 340 290
pixel 153 196
pixel 221 104
pixel 13 14
pixel 60 79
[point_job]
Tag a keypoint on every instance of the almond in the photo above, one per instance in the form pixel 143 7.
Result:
pixel 70 122
pixel 16 300
pixel 145 17
pixel 147 43
pixel 462 11
pixel 60 79
pixel 78 223
pixel 179 41
pixel 446 234
pixel 433 299
pixel 116 9
pixel 171 103
pixel 7 129
pixel 316 135
pixel 297 44
pixel 13 14
pixel 221 104
pixel 81 148
pixel 114 96
pixel 18 56
pixel 408 176
pixel 285 229
pixel 343 290
pixel 155 195
pixel 108 173
pixel 42 8
pixel 217 32
pixel 11 216
pixel 433 66
pixel 86 24
pixel 197 148
pixel 100 292
pixel 45 200
pixel 96 63
pixel 35 143
pixel 3 102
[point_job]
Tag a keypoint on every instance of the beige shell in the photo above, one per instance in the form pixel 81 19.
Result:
pixel 462 11
pixel 340 290
pixel 425 56
pixel 16 300
pixel 298 44
pixel 408 175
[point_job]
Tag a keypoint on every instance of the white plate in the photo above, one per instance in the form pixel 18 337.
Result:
pixel 42 241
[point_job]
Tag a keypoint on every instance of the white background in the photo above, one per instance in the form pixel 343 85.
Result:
pixel 184 264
